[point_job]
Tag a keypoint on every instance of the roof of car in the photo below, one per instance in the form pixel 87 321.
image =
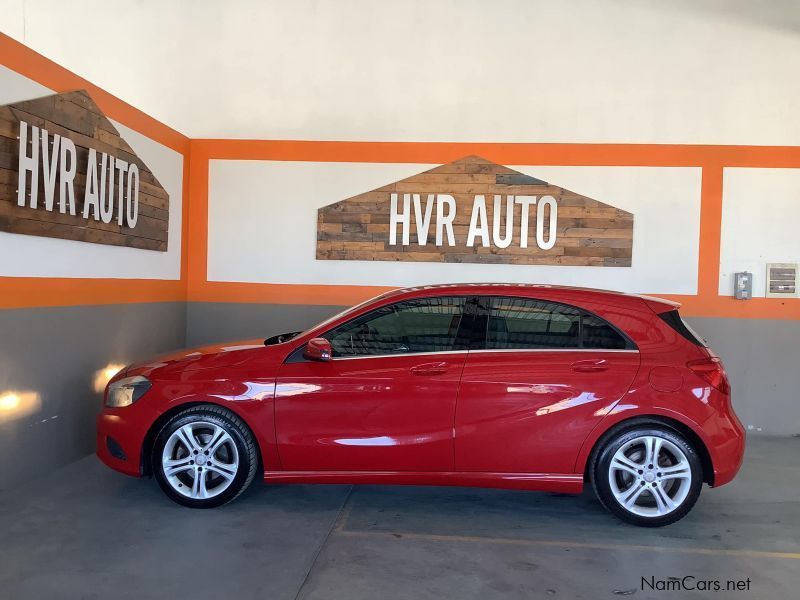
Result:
pixel 466 288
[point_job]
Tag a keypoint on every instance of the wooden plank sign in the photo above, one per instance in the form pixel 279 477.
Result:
pixel 66 172
pixel 475 211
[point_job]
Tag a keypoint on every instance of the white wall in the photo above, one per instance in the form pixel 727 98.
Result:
pixel 683 71
pixel 34 256
pixel 262 226
pixel 760 224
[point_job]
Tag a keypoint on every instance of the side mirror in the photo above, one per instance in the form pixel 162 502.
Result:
pixel 318 349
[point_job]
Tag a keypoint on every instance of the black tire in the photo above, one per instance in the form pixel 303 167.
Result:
pixel 241 436
pixel 601 476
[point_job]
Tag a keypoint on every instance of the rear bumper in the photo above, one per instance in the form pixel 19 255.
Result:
pixel 726 437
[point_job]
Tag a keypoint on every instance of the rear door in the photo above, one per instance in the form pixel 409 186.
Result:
pixel 535 386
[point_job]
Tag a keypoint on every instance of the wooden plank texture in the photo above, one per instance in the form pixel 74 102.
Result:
pixel 588 232
pixel 76 116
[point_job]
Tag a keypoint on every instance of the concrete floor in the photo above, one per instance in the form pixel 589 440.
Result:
pixel 89 533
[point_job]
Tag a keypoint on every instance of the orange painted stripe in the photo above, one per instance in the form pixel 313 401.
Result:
pixel 656 155
pixel 28 292
pixel 710 232
pixel 33 65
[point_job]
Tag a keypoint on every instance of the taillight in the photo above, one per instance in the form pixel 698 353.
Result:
pixel 711 371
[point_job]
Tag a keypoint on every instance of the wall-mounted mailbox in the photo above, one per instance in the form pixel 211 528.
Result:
pixel 743 286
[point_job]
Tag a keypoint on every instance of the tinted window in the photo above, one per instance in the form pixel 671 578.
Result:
pixel 599 334
pixel 527 323
pixel 423 325
pixel 674 320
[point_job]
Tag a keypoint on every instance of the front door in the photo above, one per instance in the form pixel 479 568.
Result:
pixel 385 402
pixel 531 393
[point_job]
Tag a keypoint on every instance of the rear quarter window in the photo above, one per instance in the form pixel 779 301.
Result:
pixel 676 322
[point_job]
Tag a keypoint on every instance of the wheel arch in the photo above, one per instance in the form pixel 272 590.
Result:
pixel 145 464
pixel 652 419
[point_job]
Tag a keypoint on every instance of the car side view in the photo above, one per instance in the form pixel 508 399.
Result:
pixel 493 385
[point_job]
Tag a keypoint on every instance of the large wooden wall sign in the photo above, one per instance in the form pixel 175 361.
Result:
pixel 475 211
pixel 65 172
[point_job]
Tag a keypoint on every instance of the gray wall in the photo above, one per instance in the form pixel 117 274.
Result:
pixel 55 353
pixel 763 363
pixel 211 322
pixel 760 356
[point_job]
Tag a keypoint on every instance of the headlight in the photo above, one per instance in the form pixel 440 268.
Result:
pixel 126 391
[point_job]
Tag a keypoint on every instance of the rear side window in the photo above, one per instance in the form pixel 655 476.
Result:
pixel 674 320
pixel 526 323
pixel 596 333
pixel 423 325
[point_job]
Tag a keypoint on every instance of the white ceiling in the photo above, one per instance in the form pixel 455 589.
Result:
pixel 452 70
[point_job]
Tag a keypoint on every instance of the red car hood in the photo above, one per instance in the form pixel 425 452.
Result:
pixel 204 357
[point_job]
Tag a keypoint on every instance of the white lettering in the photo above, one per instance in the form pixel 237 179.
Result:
pixel 106 188
pixel 122 168
pixel 67 187
pixel 525 202
pixel 49 167
pixel 403 219
pixel 445 222
pixel 90 198
pixel 475 229
pixel 503 242
pixel 132 201
pixel 28 164
pixel 423 221
pixel 546 201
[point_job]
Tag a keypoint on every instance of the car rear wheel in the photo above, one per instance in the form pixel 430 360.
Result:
pixel 204 456
pixel 648 476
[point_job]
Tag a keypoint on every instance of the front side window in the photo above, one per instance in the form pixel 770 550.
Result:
pixel 411 326
pixel 527 323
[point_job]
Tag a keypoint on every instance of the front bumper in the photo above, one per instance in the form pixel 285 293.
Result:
pixel 120 436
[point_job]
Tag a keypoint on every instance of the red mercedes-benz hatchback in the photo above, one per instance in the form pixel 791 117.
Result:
pixel 515 386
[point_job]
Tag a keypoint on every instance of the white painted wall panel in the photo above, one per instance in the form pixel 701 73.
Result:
pixel 34 256
pixel 262 226
pixel 760 224
pixel 683 71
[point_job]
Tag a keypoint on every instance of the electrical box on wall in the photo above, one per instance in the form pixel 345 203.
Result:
pixel 782 280
pixel 743 286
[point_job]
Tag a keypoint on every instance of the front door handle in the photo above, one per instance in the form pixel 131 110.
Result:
pixel 437 368
pixel 590 366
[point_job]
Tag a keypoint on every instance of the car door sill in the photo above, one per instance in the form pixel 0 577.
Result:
pixel 568 483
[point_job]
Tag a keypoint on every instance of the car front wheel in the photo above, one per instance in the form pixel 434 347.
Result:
pixel 648 476
pixel 204 457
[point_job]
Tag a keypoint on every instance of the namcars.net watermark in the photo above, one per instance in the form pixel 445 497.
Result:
pixel 690 583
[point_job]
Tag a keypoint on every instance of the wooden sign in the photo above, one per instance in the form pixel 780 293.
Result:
pixel 65 172
pixel 475 211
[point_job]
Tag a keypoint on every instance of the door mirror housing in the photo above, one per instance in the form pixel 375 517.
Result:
pixel 318 349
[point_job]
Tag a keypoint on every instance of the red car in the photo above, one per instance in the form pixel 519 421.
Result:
pixel 514 386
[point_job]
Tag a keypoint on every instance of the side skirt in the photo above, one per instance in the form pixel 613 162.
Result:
pixel 542 482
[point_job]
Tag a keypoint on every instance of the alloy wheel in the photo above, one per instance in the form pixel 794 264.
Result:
pixel 200 460
pixel 650 476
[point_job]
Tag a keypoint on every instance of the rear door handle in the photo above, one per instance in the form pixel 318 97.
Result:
pixel 437 368
pixel 590 366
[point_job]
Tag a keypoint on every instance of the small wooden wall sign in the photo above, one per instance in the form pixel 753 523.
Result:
pixel 475 211
pixel 66 172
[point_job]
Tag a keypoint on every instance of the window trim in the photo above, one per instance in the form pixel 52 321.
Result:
pixel 630 345
pixel 297 355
